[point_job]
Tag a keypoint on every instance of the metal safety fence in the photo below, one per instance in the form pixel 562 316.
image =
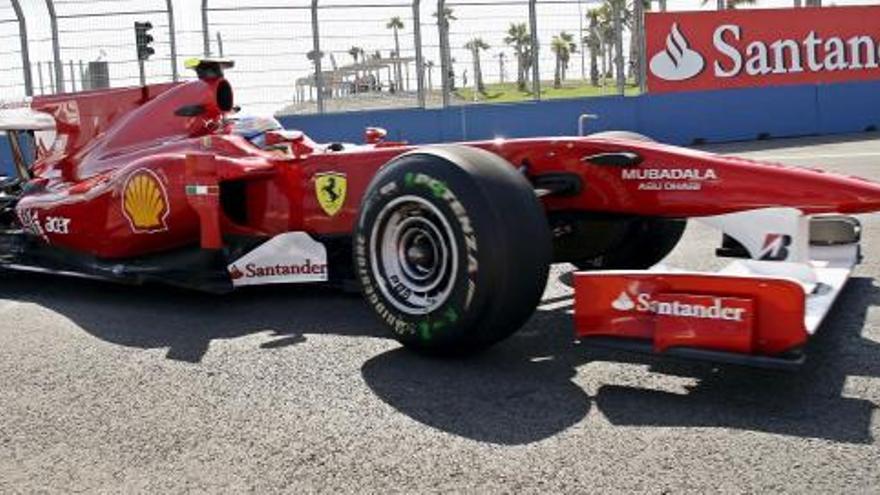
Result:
pixel 307 56
pixel 15 75
pixel 339 55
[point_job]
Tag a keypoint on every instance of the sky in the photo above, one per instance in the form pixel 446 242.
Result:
pixel 270 43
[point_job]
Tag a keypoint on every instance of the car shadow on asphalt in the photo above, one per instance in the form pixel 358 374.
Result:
pixel 186 322
pixel 523 390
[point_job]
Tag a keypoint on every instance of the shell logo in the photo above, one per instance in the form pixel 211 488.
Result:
pixel 145 202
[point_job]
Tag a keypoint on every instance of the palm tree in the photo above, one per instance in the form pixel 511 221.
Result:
pixel 635 50
pixel 520 39
pixel 355 53
pixel 477 45
pixel 602 37
pixel 313 55
pixel 448 14
pixel 563 46
pixel 396 24
pixel 452 62
pixel 607 33
pixel 430 66
pixel 443 24
pixel 501 56
pixel 594 42
pixel 376 57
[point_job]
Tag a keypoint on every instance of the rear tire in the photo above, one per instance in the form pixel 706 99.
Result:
pixel 452 249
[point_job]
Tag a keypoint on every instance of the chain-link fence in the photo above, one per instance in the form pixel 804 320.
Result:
pixel 93 44
pixel 75 45
pixel 15 78
pixel 302 56
pixel 338 55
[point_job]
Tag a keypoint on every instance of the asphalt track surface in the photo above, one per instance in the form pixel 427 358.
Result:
pixel 118 389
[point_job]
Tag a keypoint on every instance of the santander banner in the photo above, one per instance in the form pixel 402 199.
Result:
pixel 692 51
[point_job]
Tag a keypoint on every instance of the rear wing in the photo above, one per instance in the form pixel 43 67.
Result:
pixel 19 116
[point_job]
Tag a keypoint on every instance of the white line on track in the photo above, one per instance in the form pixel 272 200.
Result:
pixel 552 306
pixel 809 155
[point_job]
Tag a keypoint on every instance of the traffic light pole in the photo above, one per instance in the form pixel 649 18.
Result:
pixel 142 72
pixel 144 47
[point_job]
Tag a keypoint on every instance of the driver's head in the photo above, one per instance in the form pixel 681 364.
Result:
pixel 254 129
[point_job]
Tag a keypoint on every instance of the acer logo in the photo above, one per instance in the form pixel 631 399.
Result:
pixel 644 303
pixel 57 225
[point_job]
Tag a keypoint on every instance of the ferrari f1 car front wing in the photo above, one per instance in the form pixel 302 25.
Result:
pixel 759 311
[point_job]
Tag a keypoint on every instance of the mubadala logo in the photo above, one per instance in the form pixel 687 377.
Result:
pixel 644 303
pixel 693 174
pixel 677 62
pixel 669 179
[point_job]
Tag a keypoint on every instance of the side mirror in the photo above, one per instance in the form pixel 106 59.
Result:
pixel 190 111
pixel 374 135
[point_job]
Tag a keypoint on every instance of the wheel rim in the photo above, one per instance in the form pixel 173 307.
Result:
pixel 414 255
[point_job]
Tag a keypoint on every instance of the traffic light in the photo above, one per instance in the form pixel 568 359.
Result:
pixel 144 39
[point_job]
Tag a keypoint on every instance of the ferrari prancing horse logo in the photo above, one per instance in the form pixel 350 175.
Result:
pixel 330 189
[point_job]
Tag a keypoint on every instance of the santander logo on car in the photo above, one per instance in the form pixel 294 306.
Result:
pixel 719 50
pixel 645 303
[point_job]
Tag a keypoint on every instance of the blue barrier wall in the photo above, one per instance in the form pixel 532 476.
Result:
pixel 5 156
pixel 676 118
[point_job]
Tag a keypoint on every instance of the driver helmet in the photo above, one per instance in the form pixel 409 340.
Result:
pixel 254 129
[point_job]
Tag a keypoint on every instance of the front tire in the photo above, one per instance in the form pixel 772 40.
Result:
pixel 452 249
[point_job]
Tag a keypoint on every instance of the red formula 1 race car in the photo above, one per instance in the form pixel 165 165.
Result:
pixel 451 244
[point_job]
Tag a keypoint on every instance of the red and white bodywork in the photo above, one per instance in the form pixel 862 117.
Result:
pixel 152 183
pixel 759 311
